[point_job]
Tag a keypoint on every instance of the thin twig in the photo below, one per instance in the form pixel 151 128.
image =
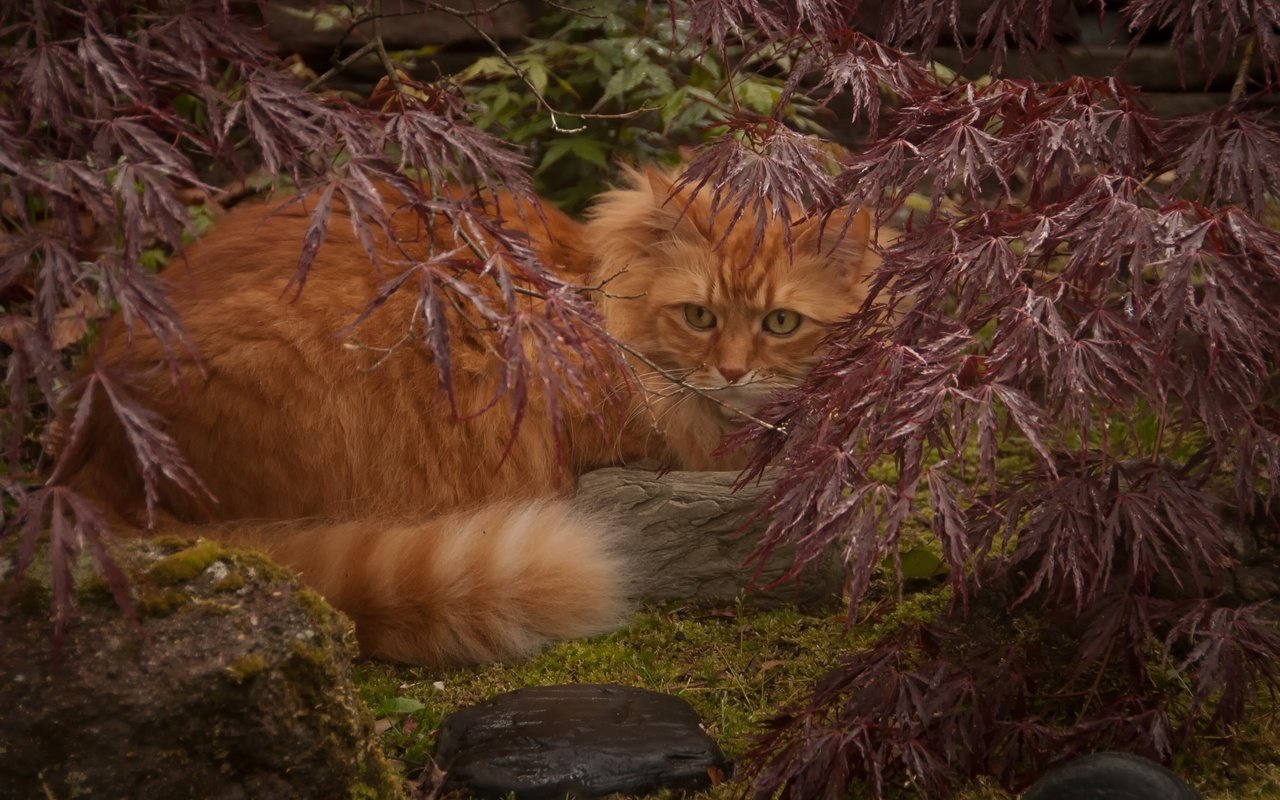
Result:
pixel 1242 73
pixel 364 50
pixel 479 252
pixel 542 100
pixel 376 8
pixel 463 13
pixel 666 374
pixel 641 357
pixel 599 287
pixel 387 352
pixel 520 73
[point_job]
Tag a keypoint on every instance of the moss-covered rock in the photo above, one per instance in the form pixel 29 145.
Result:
pixel 232 682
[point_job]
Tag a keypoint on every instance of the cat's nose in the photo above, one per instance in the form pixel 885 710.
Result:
pixel 732 374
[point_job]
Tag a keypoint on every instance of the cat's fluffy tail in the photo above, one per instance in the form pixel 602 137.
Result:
pixel 487 585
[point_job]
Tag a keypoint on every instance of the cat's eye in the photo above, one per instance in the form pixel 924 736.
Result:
pixel 699 317
pixel 781 321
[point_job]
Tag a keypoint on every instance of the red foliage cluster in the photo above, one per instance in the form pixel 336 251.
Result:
pixel 1093 284
pixel 113 115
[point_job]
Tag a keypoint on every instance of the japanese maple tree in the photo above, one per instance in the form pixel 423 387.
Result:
pixel 1082 284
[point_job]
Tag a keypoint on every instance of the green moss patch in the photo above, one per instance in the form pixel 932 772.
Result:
pixel 162 603
pixel 245 667
pixel 186 564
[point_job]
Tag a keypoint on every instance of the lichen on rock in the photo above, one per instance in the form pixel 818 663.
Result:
pixel 233 681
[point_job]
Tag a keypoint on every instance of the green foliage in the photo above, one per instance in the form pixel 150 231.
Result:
pixel 398 706
pixel 619 93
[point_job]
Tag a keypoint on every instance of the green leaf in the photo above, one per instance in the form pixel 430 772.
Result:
pixel 657 77
pixel 554 152
pixel 581 147
pixel 489 67
pixel 153 258
pixel 757 95
pixel 622 80
pixel 399 705
pixel 674 103
pixel 536 73
pixel 590 150
pixel 921 563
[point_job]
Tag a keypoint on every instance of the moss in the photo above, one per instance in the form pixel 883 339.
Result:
pixel 214 607
pixel 162 603
pixel 735 667
pixel 32 597
pixel 318 611
pixel 245 667
pixel 94 589
pixel 380 781
pixel 169 544
pixel 186 564
pixel 315 657
pixel 233 582
pixel 913 609
pixel 258 565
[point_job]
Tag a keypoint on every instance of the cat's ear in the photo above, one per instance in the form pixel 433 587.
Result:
pixel 841 239
pixel 675 210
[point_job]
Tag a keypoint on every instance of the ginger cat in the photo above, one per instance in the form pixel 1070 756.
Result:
pixel 443 540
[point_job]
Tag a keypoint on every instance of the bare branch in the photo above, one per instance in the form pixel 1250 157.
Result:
pixel 365 49
pixel 1242 72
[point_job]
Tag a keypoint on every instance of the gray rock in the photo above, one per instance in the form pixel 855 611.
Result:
pixel 688 537
pixel 581 741
pixel 233 683
pixel 1257 583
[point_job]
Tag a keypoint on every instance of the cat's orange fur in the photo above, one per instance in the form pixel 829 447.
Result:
pixel 445 542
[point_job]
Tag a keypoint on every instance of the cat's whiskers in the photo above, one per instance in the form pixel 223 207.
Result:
pixel 655 387
pixel 668 409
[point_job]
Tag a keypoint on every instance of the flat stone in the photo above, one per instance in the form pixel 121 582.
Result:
pixel 579 741
pixel 689 535
pixel 1113 776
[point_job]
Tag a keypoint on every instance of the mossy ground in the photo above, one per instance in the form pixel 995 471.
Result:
pixel 734 666
pixel 737 667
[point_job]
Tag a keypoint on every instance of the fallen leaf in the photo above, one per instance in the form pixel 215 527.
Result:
pixel 427 783
pixel 72 323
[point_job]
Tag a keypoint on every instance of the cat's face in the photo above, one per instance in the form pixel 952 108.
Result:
pixel 729 325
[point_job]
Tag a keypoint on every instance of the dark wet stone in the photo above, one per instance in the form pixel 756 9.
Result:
pixel 582 741
pixel 1110 776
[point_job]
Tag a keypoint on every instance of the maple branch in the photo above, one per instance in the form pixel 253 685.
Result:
pixel 375 8
pixel 698 390
pixel 1242 72
pixel 641 357
pixel 552 111
pixel 337 68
